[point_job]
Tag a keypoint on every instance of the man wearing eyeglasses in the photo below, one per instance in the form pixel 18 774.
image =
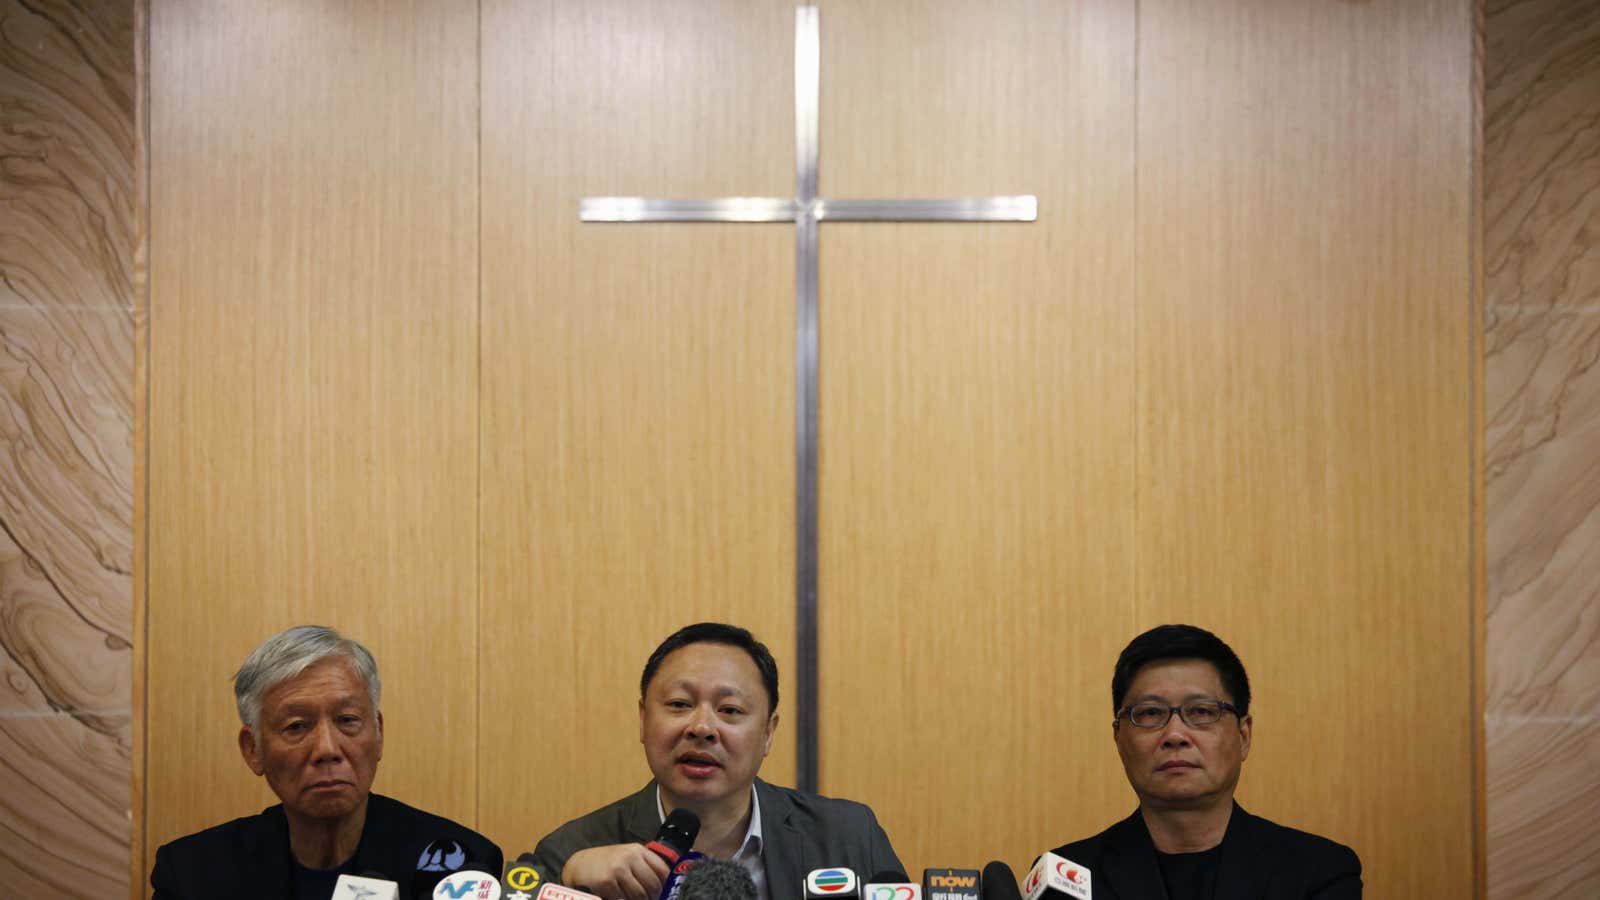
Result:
pixel 1182 728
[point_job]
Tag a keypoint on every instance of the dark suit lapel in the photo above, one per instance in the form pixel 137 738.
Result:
pixel 1246 858
pixel 264 872
pixel 642 817
pixel 1128 864
pixel 783 847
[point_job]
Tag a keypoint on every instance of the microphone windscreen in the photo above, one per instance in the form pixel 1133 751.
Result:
pixel 999 882
pixel 677 834
pixel 717 879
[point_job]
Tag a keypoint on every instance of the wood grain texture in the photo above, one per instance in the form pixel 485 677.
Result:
pixel 637 380
pixel 1542 193
pixel 66 424
pixel 313 369
pixel 1305 334
pixel 977 420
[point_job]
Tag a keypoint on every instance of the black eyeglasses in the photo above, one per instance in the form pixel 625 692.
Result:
pixel 1195 713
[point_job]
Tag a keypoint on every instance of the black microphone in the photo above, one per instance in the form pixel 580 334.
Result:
pixel 832 882
pixel 676 836
pixel 891 884
pixel 999 883
pixel 521 878
pixel 950 884
pixel 1056 878
pixel 717 879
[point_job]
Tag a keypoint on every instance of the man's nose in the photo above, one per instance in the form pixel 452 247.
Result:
pixel 1175 733
pixel 703 724
pixel 325 744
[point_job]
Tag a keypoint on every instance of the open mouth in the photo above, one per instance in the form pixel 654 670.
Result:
pixel 698 764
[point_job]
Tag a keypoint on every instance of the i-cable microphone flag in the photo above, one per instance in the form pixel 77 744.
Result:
pixel 950 884
pixel 832 882
pixel 1056 878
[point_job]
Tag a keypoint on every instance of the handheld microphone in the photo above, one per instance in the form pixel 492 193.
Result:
pixel 676 836
pixel 362 887
pixel 833 882
pixel 1056 878
pixel 717 879
pixel 950 884
pixel 999 883
pixel 521 878
pixel 891 885
pixel 467 884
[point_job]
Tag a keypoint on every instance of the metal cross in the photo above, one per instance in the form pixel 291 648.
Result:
pixel 805 210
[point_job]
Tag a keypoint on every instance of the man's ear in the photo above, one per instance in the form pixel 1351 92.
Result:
pixel 641 720
pixel 377 752
pixel 248 750
pixel 772 729
pixel 1245 725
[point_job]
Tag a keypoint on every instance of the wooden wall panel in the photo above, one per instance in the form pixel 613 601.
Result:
pixel 1306 319
pixel 1542 203
pixel 67 236
pixel 313 372
pixel 977 419
pixel 637 467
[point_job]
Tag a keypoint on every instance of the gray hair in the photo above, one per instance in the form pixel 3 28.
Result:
pixel 287 654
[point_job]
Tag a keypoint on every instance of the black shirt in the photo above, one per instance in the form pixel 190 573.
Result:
pixel 314 884
pixel 1190 876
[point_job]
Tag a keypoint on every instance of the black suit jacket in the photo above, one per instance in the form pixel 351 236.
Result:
pixel 249 857
pixel 1260 861
pixel 799 832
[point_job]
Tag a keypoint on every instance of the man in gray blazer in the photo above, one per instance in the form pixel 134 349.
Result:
pixel 708 701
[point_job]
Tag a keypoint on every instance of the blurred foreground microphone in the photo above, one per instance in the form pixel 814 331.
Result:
pixel 832 883
pixel 1056 878
pixel 891 885
pixel 521 878
pixel 999 883
pixel 362 887
pixel 676 836
pixel 950 884
pixel 468 884
pixel 717 879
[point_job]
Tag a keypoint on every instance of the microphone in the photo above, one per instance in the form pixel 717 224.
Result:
pixel 674 883
pixel 363 887
pixel 676 836
pixel 553 891
pixel 1055 878
pixel 467 884
pixel 717 879
pixel 950 884
pixel 521 878
pixel 891 885
pixel 999 883
pixel 835 882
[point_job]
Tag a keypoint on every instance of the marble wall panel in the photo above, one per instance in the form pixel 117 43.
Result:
pixel 1542 396
pixel 67 247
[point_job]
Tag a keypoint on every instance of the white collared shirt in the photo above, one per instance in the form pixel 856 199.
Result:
pixel 749 853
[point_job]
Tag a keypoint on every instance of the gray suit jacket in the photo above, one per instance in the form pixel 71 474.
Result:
pixel 799 832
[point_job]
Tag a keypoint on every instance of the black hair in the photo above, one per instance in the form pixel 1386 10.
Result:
pixel 1165 642
pixel 717 633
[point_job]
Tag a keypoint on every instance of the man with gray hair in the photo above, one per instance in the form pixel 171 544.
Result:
pixel 312 726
